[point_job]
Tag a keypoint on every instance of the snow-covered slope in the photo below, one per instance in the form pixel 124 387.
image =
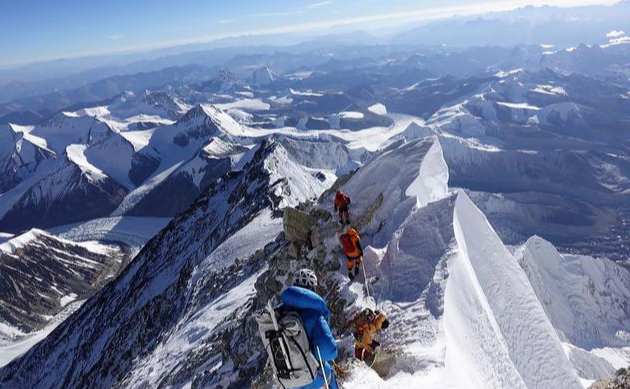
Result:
pixel 68 190
pixel 20 155
pixel 119 168
pixel 130 107
pixel 89 161
pixel 14 342
pixel 586 300
pixel 179 149
pixel 128 230
pixel 167 295
pixel 585 297
pixel 68 128
pixel 396 181
pixel 66 163
pixel 41 274
pixel 496 304
pixel 465 313
pixel 170 195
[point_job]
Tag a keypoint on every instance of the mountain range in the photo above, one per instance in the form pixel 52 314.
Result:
pixel 145 218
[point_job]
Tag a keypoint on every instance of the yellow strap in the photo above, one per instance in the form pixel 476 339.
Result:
pixel 321 362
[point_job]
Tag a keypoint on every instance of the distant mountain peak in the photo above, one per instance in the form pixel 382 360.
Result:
pixel 264 76
pixel 210 117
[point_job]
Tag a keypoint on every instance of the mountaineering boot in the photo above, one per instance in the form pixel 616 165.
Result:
pixel 351 276
pixel 347 222
pixel 341 222
pixel 356 270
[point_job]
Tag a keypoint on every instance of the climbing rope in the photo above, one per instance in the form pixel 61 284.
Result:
pixel 365 282
pixel 380 294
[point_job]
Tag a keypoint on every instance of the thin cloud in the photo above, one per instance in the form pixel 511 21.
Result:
pixel 114 37
pixel 226 21
pixel 321 4
pixel 276 14
pixel 615 34
pixel 303 10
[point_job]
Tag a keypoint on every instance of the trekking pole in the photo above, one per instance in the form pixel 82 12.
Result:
pixel 321 362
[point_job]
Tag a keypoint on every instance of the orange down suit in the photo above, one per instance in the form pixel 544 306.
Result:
pixel 367 331
pixel 354 254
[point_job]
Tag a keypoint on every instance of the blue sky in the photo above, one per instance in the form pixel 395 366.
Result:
pixel 35 30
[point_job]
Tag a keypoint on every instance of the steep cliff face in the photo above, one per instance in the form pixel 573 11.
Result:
pixel 20 155
pixel 67 194
pixel 40 274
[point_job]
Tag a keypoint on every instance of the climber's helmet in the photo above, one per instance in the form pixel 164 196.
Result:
pixel 305 278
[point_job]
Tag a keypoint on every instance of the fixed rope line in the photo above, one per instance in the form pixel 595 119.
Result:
pixel 365 282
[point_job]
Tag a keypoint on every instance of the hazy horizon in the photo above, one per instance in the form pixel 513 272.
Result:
pixel 38 31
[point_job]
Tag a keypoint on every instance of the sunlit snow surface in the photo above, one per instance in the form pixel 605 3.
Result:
pixel 130 230
pixel 502 320
pixel 472 315
pixel 14 343
pixel 5 236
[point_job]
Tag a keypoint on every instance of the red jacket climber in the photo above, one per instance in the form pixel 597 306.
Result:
pixel 351 244
pixel 342 201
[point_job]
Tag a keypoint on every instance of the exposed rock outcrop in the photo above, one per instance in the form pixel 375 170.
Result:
pixel 621 381
pixel 40 274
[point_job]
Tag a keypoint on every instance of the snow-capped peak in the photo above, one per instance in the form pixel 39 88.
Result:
pixel 67 128
pixel 17 242
pixel 169 102
pixel 208 115
pixel 76 155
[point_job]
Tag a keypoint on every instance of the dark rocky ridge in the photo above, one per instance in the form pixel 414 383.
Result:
pixel 35 277
pixel 97 346
pixel 621 381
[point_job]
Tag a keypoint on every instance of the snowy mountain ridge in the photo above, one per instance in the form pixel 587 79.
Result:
pixel 454 159
pixel 469 315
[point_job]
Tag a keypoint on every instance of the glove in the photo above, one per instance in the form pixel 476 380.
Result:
pixel 374 345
